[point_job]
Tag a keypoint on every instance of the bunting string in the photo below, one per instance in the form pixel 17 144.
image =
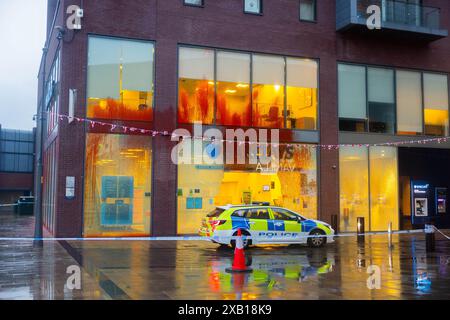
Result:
pixel 175 137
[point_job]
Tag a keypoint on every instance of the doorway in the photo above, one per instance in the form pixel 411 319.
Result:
pixel 424 185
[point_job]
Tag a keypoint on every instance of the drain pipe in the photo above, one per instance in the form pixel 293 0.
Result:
pixel 38 225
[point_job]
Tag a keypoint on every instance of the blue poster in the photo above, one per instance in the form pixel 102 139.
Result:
pixel 118 213
pixel 117 187
pixel 126 187
pixel 194 203
pixel 120 188
pixel 109 187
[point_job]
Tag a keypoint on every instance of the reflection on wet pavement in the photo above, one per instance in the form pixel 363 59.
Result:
pixel 32 271
pixel 196 270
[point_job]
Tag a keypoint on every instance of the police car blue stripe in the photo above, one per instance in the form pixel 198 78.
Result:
pixel 275 225
pixel 308 225
pixel 240 223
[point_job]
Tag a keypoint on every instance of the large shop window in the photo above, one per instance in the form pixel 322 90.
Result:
pixel 436 104
pixel 352 98
pixel 381 100
pixel 49 191
pixel 354 192
pixel 244 89
pixel 302 89
pixel 201 188
pixel 233 89
pixel 368 187
pixel 117 185
pixel 384 196
pixel 120 79
pixel 196 86
pixel 409 103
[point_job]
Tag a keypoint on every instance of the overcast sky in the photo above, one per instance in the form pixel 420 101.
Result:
pixel 22 36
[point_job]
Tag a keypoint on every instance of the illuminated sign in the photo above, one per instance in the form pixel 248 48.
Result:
pixel 421 188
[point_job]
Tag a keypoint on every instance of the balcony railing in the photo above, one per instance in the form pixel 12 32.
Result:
pixel 401 12
pixel 399 18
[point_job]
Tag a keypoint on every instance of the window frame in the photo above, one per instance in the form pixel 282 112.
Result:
pixel 146 123
pixel 394 88
pixel 422 91
pixel 298 218
pixel 261 9
pixel 395 69
pixel 201 5
pixel 314 20
pixel 447 75
pixel 255 209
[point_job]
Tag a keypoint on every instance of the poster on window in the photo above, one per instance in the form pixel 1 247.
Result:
pixel 421 207
pixel 247 197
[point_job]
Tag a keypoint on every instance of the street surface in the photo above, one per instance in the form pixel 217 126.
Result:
pixel 196 269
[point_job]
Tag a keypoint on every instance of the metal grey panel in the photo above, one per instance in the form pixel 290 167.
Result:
pixel 367 138
pixel 306 136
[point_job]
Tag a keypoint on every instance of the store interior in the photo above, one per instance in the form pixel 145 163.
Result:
pixel 424 186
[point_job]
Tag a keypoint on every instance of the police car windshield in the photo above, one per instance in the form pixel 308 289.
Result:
pixel 215 213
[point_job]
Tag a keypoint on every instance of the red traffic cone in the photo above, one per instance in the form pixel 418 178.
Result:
pixel 239 256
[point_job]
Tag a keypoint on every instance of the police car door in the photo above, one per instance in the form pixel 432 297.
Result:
pixel 286 224
pixel 258 219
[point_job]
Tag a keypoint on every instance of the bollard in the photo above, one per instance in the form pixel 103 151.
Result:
pixel 390 236
pixel 360 229
pixel 334 223
pixel 429 238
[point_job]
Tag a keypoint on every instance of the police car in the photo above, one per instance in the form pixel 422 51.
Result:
pixel 264 224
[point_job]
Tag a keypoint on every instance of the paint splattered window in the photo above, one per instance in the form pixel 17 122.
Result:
pixel 196 86
pixel 292 183
pixel 120 79
pixel 249 90
pixel 233 89
pixel 117 196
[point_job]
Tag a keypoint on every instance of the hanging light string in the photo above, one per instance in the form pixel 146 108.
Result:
pixel 154 133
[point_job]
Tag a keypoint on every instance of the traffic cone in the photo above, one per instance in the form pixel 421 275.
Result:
pixel 239 256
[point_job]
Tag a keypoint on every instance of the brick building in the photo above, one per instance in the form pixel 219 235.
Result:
pixel 312 69
pixel 16 164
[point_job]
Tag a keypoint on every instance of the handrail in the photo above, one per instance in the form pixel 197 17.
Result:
pixel 403 13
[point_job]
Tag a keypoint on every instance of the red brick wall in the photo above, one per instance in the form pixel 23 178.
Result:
pixel 16 181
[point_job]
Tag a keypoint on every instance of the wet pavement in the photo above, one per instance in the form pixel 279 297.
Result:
pixel 196 270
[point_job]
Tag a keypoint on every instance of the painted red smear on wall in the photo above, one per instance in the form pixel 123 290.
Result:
pixel 227 117
pixel 119 110
pixel 201 109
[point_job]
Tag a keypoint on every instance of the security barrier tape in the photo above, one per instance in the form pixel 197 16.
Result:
pixel 199 238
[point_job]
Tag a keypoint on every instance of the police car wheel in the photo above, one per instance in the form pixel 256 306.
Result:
pixel 316 242
pixel 247 242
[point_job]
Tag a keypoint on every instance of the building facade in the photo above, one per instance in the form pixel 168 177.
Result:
pixel 16 164
pixel 362 114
